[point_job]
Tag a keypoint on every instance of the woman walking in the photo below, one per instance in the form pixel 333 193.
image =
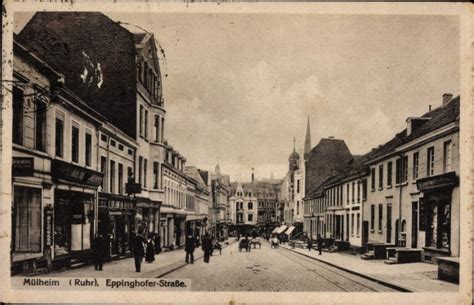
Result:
pixel 150 250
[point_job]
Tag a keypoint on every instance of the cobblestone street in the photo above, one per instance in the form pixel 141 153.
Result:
pixel 268 269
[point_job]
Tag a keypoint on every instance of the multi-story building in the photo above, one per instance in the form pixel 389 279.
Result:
pixel 413 198
pixel 197 202
pixel 118 215
pixel 244 206
pixel 54 168
pixel 112 69
pixel 220 190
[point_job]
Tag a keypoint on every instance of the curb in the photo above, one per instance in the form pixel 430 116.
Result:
pixel 371 278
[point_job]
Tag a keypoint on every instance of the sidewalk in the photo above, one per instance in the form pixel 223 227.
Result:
pixel 416 277
pixel 164 263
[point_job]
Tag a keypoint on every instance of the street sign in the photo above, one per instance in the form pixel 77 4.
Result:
pixel 133 188
pixel 22 166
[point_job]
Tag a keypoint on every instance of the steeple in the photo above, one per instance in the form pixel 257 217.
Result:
pixel 218 169
pixel 307 142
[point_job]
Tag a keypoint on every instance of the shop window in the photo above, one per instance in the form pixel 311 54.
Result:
pixel 27 219
pixel 18 116
pixel 59 137
pixel 75 144
pixel 40 125
pixel 447 156
pixel 88 149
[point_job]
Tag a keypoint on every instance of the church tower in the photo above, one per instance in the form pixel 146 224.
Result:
pixel 307 142
pixel 294 159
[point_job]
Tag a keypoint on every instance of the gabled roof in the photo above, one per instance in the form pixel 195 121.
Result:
pixel 193 172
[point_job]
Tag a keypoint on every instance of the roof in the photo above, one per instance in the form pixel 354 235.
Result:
pixel 138 37
pixel 294 156
pixel 440 117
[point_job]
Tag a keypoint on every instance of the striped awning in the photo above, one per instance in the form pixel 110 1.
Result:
pixel 281 229
pixel 290 229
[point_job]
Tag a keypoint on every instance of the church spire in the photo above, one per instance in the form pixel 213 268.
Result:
pixel 307 142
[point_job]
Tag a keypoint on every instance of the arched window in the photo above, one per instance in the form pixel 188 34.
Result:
pixel 250 205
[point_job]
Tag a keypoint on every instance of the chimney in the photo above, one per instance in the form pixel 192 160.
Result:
pixel 447 97
pixel 429 107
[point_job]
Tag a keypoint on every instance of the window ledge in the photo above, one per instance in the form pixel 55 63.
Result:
pixel 389 186
pixel 380 188
pixel 372 190
pixel 380 231
pixel 372 231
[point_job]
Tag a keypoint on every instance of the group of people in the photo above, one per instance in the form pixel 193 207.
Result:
pixel 145 248
pixel 208 245
pixel 319 242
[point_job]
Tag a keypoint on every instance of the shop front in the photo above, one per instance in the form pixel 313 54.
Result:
pixel 147 217
pixel 74 210
pixel 116 222
pixel 437 208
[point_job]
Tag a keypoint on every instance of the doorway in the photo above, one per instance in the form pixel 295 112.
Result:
pixel 414 224
pixel 389 223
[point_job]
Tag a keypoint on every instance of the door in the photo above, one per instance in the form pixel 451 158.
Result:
pixel 389 223
pixel 414 224
pixel 365 232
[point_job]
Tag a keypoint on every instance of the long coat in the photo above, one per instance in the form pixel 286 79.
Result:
pixel 150 251
pixel 190 244
pixel 138 246
pixel 206 244
pixel 98 246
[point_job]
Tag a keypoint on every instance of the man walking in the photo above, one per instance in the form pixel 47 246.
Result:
pixel 139 250
pixel 206 247
pixel 320 243
pixel 99 251
pixel 310 243
pixel 189 246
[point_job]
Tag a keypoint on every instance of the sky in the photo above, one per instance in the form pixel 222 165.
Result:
pixel 240 87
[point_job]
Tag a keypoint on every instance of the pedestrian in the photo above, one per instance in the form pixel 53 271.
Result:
pixel 320 243
pixel 98 247
pixel 206 247
pixel 213 245
pixel 150 250
pixel 139 250
pixel 157 242
pixel 189 246
pixel 310 243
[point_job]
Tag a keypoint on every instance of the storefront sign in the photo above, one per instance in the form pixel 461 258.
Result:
pixel 74 173
pixel 48 227
pixel 133 188
pixel 22 166
pixel 439 181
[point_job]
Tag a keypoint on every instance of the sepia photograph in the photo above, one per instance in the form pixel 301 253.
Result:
pixel 235 151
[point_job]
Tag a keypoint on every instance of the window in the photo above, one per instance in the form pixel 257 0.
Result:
pixel 59 137
pixel 380 216
pixel 112 176
pixel 140 162
pixel 364 189
pixel 75 144
pixel 358 224
pixel 250 205
pixel 26 219
pixel 347 191
pixel 130 174
pixel 88 149
pixel 120 178
pixel 353 192
pixel 298 186
pixel 120 147
pixel 372 216
pixel 372 177
pixel 389 173
pixel 145 165
pixel 113 143
pixel 416 161
pixel 157 128
pixel 250 217
pixel 381 176
pixel 358 191
pixel 103 169
pixel 447 156
pixel 430 162
pixel 352 224
pixel 401 170
pixel 162 129
pixel 130 152
pixel 103 137
pixel 146 124
pixel 40 125
pixel 18 112
pixel 155 175
pixel 141 120
pixel 297 207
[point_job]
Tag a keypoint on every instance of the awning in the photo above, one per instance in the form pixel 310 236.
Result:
pixel 290 229
pixel 275 230
pixel 281 229
pixel 191 217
